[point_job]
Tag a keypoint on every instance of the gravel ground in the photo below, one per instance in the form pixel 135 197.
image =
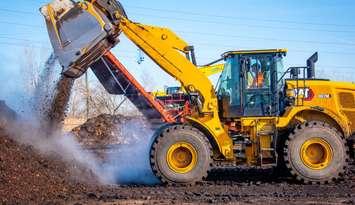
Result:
pixel 232 186
pixel 27 177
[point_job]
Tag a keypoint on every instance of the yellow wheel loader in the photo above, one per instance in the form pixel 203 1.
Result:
pixel 254 116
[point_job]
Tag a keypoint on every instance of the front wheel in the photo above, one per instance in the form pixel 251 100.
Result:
pixel 180 154
pixel 316 153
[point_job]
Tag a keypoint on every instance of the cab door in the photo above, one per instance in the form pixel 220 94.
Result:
pixel 259 90
pixel 229 89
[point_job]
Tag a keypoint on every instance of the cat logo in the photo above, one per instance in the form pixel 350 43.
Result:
pixel 306 93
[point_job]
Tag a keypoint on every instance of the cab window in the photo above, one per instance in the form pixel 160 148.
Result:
pixel 258 72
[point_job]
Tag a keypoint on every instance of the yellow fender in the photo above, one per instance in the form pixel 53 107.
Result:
pixel 219 139
pixel 341 121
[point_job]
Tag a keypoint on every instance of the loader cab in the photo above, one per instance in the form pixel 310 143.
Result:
pixel 248 85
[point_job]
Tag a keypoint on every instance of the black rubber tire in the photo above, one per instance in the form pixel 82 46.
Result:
pixel 168 136
pixel 337 167
pixel 351 143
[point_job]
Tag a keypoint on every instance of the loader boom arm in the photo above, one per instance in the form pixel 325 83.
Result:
pixel 81 33
pixel 168 51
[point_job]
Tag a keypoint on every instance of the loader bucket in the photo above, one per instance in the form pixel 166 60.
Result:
pixel 80 33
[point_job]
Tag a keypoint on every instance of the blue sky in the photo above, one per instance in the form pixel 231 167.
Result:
pixel 213 27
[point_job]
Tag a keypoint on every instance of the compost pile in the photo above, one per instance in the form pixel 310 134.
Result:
pixel 106 130
pixel 27 176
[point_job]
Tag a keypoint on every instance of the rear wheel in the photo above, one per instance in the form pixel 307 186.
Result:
pixel 180 154
pixel 316 153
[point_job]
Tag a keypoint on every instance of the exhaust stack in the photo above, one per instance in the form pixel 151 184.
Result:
pixel 311 72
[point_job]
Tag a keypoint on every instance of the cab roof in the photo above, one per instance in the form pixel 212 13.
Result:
pixel 262 51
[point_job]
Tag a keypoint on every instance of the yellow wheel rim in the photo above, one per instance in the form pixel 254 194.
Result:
pixel 181 157
pixel 316 153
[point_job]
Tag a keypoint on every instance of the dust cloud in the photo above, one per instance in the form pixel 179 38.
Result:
pixel 129 164
pixel 40 127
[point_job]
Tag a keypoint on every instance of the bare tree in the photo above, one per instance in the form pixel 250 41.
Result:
pixel 102 102
pixel 99 100
pixel 76 103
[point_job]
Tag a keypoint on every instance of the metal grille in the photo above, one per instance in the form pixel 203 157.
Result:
pixel 347 100
pixel 351 116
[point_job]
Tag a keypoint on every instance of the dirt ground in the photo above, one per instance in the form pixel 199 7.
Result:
pixel 27 177
pixel 238 187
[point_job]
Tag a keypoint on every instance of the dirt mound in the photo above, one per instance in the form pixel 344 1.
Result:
pixel 105 130
pixel 26 176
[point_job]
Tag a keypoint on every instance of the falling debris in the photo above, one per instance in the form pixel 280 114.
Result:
pixel 59 104
pixel 51 95
pixel 43 93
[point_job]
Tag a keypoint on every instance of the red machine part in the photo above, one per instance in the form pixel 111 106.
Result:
pixel 166 116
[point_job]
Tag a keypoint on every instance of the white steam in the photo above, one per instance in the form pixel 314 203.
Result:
pixel 126 164
pixel 57 144
pixel 129 164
